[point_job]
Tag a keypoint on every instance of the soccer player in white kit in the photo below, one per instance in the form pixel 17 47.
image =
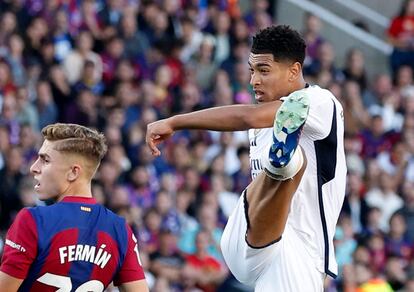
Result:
pixel 280 235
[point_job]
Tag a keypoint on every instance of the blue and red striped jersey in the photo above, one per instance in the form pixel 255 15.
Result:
pixel 75 244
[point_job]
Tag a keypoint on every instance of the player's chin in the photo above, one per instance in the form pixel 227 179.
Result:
pixel 42 195
pixel 262 98
pixel 259 98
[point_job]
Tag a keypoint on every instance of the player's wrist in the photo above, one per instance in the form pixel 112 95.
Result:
pixel 174 122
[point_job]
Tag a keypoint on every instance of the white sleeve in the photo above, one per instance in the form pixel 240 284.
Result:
pixel 319 121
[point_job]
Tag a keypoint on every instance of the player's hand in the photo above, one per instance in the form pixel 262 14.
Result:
pixel 158 132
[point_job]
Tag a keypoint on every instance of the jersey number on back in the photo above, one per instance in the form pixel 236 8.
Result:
pixel 65 283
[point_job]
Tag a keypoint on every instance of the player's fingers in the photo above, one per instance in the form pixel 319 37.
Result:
pixel 155 151
pixel 151 142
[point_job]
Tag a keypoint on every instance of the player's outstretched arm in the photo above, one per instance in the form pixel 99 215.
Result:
pixel 223 118
pixel 9 283
pixel 134 286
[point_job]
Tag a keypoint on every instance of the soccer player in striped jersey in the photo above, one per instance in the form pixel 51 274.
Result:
pixel 280 235
pixel 74 244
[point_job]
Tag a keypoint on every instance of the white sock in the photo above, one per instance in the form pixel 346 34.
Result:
pixel 286 172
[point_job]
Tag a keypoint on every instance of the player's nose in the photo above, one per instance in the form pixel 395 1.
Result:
pixel 34 168
pixel 254 79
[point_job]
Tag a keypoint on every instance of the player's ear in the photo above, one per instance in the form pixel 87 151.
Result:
pixel 294 71
pixel 74 172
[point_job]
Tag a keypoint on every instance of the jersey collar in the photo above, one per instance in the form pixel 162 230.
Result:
pixel 77 199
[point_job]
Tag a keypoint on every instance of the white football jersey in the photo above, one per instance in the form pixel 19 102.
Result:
pixel 318 200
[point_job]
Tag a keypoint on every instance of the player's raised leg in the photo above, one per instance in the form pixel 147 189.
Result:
pixel 260 218
pixel 270 194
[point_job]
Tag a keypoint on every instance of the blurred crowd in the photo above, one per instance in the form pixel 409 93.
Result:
pixel 118 65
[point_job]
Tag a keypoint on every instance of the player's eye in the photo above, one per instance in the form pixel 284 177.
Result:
pixel 44 159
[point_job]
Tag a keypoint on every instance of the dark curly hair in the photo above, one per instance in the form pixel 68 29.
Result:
pixel 283 42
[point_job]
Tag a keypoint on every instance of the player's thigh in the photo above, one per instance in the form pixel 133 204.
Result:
pixel 293 269
pixel 246 263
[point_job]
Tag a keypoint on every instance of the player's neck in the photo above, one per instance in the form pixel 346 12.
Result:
pixel 75 195
pixel 77 189
pixel 300 84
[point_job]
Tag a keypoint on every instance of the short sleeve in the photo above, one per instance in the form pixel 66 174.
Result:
pixel 131 269
pixel 319 121
pixel 20 248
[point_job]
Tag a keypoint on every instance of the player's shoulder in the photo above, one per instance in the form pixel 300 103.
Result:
pixel 47 215
pixel 68 210
pixel 43 209
pixel 34 210
pixel 113 216
pixel 25 213
pixel 59 216
pixel 319 95
pixel 108 219
pixel 321 98
pixel 114 224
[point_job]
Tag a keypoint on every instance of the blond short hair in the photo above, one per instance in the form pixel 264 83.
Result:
pixel 77 139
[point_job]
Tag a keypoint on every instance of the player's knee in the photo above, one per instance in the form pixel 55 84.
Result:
pixel 241 272
pixel 236 260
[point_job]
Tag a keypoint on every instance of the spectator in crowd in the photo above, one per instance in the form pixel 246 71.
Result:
pixel 222 24
pixel 7 85
pixel 136 43
pixel 9 26
pixel 345 242
pixel 203 270
pixel 355 205
pixel 401 35
pixel 60 35
pixel 75 60
pixel 355 68
pixel 324 64
pixel 403 78
pixel 166 262
pixel 396 241
pixel 355 115
pixel 385 198
pixel 381 87
pixel 15 59
pixel 203 63
pixel 242 177
pixel 407 211
pixel 395 162
pixel 36 32
pixel 373 225
pixel 208 221
pixel 45 103
pixel 312 36
pixel 191 37
pixel 395 272
pixel 10 177
pixel 374 138
pixel 26 111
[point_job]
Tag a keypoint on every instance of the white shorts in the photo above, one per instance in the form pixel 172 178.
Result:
pixel 282 266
